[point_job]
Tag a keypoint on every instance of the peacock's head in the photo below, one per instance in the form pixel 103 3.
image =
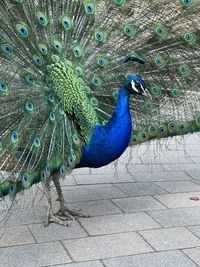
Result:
pixel 135 85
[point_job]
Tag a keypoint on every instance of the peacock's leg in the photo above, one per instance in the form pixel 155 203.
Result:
pixel 64 211
pixel 51 217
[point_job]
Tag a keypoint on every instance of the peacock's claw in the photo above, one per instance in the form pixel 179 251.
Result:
pixel 51 217
pixel 71 214
pixel 64 212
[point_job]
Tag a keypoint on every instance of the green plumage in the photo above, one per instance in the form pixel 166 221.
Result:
pixel 62 64
pixel 73 98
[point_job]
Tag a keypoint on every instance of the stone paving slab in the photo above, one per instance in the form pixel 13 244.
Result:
pixel 104 178
pixel 179 186
pixel 137 168
pixel 131 156
pixel 69 181
pixel 138 204
pixel 91 192
pixel 16 235
pixel 195 230
pixel 157 259
pixel 34 255
pixel 56 232
pixel 188 146
pixel 181 166
pixel 161 176
pixel 194 174
pixel 171 238
pixel 196 159
pixel 140 189
pixel 188 139
pixel 177 217
pixel 96 207
pixel 193 152
pixel 81 171
pixel 26 216
pixel 162 157
pixel 83 264
pixel 110 169
pixel 142 203
pixel 100 247
pixel 118 223
pixel 194 254
pixel 179 200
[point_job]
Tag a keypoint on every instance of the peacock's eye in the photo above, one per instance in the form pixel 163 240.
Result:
pixel 137 85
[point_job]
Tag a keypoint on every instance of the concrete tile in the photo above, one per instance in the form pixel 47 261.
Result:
pixel 196 181
pixel 142 203
pixel 195 230
pixel 184 146
pixel 26 216
pixel 161 176
pixel 181 167
pixel 170 238
pixel 196 159
pixel 112 168
pixel 194 254
pixel 156 259
pixel 179 186
pixel 69 180
pixel 140 189
pixel 118 223
pixel 81 171
pixel 34 255
pixel 165 156
pixel 56 232
pixel 177 217
pixel 37 214
pixel 82 264
pixel 178 200
pixel 135 168
pixel 99 247
pixel 16 235
pixel 129 157
pixel 193 152
pixel 194 174
pixel 3 206
pixel 97 207
pixel 104 178
pixel 91 192
pixel 190 139
pixel 191 147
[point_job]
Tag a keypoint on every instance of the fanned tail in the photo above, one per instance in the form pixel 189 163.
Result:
pixel 160 41
pixel 98 43
pixel 37 137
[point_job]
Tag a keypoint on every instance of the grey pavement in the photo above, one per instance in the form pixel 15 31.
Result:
pixel 145 212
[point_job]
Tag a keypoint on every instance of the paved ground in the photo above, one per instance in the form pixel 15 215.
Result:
pixel 142 215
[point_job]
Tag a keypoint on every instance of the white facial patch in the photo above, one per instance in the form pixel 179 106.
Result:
pixel 133 86
pixel 145 91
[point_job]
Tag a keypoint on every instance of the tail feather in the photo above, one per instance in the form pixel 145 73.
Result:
pixel 102 42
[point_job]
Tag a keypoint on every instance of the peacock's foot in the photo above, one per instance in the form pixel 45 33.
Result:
pixel 70 214
pixel 51 217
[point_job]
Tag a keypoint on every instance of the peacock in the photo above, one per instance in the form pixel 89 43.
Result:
pixel 81 80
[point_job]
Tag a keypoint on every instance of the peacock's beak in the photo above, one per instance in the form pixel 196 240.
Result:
pixel 146 93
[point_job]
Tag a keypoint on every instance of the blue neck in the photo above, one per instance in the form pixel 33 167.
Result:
pixel 122 106
pixel 110 141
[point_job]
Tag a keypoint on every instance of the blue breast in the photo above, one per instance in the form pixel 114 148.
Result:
pixel 108 142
